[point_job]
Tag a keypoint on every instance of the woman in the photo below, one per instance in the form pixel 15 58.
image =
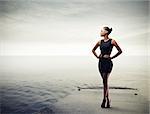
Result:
pixel 105 64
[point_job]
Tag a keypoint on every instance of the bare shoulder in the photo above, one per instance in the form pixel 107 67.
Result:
pixel 113 41
pixel 99 42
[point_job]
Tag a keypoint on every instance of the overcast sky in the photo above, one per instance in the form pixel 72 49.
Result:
pixel 71 27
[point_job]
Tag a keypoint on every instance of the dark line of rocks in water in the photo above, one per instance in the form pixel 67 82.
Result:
pixel 79 88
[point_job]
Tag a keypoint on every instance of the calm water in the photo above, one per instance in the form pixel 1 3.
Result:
pixel 30 84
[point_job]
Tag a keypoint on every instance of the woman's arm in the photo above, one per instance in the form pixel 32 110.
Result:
pixel 118 48
pixel 95 47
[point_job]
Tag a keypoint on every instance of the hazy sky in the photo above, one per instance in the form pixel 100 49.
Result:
pixel 71 27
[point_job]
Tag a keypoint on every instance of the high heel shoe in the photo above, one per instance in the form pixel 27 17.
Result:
pixel 108 103
pixel 103 103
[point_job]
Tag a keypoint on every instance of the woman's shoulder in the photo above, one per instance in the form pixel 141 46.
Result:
pixel 99 41
pixel 113 40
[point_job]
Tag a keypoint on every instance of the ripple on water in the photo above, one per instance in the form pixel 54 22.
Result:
pixel 30 98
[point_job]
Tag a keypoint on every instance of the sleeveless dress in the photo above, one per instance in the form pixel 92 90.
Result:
pixel 105 65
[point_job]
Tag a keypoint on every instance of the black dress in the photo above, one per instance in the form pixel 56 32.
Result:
pixel 105 65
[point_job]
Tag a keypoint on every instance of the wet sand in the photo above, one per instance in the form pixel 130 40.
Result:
pixel 88 101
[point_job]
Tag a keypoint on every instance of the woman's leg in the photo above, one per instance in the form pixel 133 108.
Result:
pixel 103 75
pixel 104 99
pixel 105 84
pixel 107 89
